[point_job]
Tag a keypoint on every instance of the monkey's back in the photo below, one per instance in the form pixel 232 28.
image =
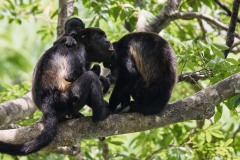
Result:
pixel 153 56
pixel 51 70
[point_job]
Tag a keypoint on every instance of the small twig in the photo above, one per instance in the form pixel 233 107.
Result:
pixel 235 44
pixel 157 151
pixel 203 30
pixel 179 27
pixel 183 68
pixel 232 26
pixel 236 132
pixel 195 76
pixel 105 149
pixel 207 18
pixel 224 7
pixel 128 26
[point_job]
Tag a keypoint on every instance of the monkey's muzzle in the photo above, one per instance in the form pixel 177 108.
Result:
pixel 111 47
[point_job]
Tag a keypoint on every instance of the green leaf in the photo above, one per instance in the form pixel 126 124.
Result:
pixel 228 142
pixel 206 126
pixel 217 52
pixel 221 46
pixel 208 136
pixel 217 116
pixel 54 13
pixel 208 40
pixel 12 6
pixel 233 61
pixel 89 156
pixel 216 133
pixel 215 126
pixel 118 143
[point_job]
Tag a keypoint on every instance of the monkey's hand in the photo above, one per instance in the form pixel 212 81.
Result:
pixel 96 69
pixel 70 41
pixel 106 84
pixel 105 81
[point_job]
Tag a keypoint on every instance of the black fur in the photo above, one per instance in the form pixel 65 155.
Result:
pixel 72 27
pixel 62 86
pixel 144 65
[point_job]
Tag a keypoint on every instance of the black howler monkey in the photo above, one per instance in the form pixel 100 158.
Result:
pixel 144 65
pixel 72 27
pixel 61 86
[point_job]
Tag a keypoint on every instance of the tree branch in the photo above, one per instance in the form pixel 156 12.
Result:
pixel 170 13
pixel 199 106
pixel 142 21
pixel 164 16
pixel 209 19
pixel 16 110
pixel 65 10
pixel 232 26
pixel 193 77
pixel 224 7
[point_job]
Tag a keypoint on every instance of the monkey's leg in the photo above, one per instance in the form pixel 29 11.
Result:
pixel 87 90
pixel 149 103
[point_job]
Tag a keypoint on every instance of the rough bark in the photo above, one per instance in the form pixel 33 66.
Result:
pixel 65 10
pixel 164 16
pixel 170 13
pixel 199 106
pixel 142 21
pixel 16 110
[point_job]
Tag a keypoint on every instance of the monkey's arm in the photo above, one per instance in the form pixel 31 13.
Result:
pixel 122 90
pixel 69 41
pixel 105 82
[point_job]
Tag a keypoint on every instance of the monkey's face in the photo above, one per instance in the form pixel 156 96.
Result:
pixel 102 49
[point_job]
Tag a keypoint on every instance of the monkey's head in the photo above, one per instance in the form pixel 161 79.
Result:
pixel 73 26
pixel 98 47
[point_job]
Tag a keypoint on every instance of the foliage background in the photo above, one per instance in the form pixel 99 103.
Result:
pixel 28 27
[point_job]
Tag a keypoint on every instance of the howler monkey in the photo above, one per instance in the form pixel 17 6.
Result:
pixel 72 27
pixel 61 86
pixel 144 65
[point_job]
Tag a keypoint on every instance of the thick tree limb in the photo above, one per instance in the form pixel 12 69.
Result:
pixel 65 10
pixel 232 26
pixel 142 21
pixel 16 110
pixel 199 106
pixel 164 16
pixel 170 13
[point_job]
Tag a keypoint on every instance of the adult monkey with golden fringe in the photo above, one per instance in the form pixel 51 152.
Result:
pixel 62 86
pixel 72 27
pixel 144 65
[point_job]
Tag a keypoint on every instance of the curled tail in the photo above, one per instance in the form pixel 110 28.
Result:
pixel 46 136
